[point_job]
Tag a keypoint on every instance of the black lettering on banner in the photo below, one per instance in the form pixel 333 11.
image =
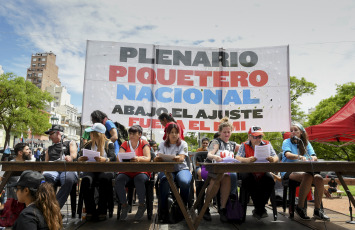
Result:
pixel 176 112
pixel 127 52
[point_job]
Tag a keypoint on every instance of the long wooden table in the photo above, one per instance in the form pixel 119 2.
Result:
pixel 11 168
pixel 192 220
pixel 220 168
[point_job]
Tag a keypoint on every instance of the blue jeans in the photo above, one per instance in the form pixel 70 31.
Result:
pixel 65 179
pixel 183 179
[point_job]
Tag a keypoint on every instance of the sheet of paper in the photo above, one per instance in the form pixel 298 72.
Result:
pixel 166 158
pixel 262 152
pixel 90 154
pixel 229 159
pixel 126 156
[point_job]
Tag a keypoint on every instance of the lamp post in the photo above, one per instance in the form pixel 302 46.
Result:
pixel 54 120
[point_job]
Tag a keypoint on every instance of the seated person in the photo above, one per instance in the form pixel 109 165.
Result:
pixel 218 149
pixel 60 150
pixel 333 186
pixel 205 141
pixel 98 142
pixel 173 145
pixel 142 150
pixel 259 185
pixel 42 209
pixel 295 148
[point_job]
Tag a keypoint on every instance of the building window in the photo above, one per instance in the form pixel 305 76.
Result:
pixel 34 65
pixel 43 59
pixel 34 59
pixel 40 74
pixel 43 65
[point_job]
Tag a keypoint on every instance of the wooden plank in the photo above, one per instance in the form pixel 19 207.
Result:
pixel 91 166
pixel 343 167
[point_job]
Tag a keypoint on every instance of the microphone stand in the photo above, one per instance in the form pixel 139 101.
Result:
pixel 350 209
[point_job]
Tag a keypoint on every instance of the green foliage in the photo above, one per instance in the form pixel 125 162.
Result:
pixel 324 110
pixel 327 107
pixel 191 141
pixel 299 87
pixel 22 106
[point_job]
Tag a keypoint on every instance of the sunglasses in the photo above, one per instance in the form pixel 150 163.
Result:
pixel 257 137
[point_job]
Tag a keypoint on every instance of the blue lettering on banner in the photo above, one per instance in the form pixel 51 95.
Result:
pixel 190 96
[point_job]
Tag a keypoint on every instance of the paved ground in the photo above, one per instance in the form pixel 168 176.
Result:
pixel 338 222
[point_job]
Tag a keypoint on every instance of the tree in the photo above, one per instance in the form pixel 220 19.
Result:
pixel 324 110
pixel 22 106
pixel 327 107
pixel 299 87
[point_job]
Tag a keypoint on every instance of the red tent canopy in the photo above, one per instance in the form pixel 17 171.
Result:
pixel 340 127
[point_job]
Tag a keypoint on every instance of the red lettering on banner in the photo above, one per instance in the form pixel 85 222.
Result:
pixel 193 125
pixel 161 77
pixel 263 78
pixel 146 79
pixel 133 121
pixel 220 79
pixel 184 78
pixel 203 127
pixel 239 76
pixel 181 124
pixel 156 124
pixel 146 124
pixel 132 74
pixel 116 71
pixel 237 126
pixel 203 77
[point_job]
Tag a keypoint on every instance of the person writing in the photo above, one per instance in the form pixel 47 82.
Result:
pixel 259 185
pixel 98 142
pixel 298 148
pixel 142 150
pixel 173 145
pixel 42 209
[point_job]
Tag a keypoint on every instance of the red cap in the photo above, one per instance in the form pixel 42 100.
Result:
pixel 255 131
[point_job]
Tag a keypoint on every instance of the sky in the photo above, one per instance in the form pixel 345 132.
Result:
pixel 320 34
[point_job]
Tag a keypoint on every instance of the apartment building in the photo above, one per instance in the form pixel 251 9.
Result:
pixel 43 71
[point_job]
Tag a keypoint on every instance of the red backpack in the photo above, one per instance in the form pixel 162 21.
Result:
pixel 10 213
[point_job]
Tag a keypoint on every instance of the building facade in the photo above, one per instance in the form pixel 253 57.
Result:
pixel 43 71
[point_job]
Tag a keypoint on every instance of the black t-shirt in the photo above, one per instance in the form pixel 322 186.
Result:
pixel 332 184
pixel 55 150
pixel 31 218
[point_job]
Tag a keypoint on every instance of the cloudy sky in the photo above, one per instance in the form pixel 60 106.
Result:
pixel 321 34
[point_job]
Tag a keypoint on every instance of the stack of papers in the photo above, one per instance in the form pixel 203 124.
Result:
pixel 229 160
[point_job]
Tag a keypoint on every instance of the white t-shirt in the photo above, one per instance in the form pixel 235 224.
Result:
pixel 175 150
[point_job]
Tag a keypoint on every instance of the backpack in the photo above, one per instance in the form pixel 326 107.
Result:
pixel 10 213
pixel 235 212
pixel 175 214
pixel 121 132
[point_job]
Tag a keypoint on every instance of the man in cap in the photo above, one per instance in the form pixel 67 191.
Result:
pixel 60 150
pixel 259 185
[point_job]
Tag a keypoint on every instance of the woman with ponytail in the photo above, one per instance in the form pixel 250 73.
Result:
pixel 42 208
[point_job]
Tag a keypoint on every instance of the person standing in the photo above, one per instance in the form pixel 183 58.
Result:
pixel 111 130
pixel 60 150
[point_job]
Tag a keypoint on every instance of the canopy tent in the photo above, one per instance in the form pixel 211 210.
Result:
pixel 338 128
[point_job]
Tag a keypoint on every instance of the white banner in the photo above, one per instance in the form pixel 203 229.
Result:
pixel 135 83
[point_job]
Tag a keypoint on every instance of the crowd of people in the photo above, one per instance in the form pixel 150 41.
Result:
pixel 43 205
